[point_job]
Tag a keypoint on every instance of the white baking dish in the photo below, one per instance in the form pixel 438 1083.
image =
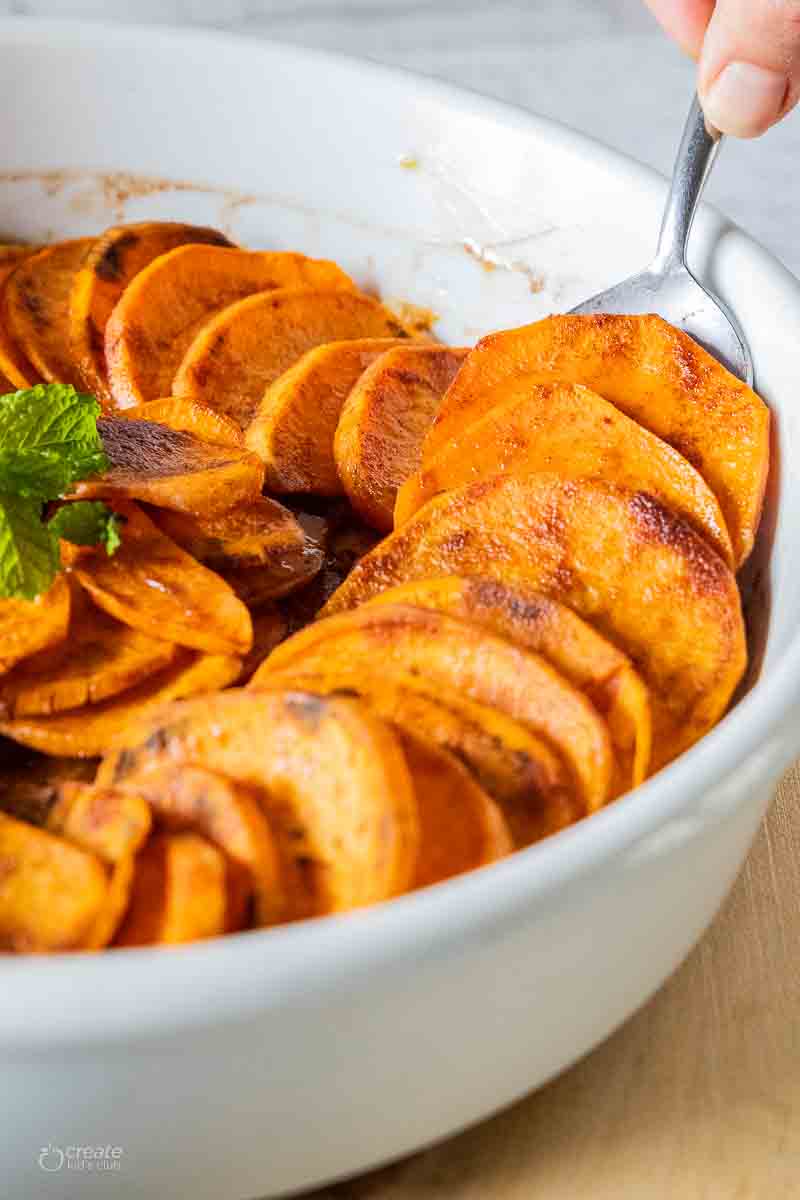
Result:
pixel 269 1062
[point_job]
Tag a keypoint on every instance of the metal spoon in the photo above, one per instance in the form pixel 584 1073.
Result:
pixel 667 286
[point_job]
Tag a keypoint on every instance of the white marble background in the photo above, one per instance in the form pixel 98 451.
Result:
pixel 599 65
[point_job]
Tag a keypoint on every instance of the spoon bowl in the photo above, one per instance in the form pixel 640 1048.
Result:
pixel 667 287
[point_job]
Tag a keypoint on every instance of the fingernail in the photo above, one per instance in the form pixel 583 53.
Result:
pixel 745 100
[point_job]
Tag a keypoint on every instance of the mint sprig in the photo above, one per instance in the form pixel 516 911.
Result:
pixel 48 442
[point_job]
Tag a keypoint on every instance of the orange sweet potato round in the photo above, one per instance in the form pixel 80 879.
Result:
pixel 191 799
pixel 651 371
pixel 582 655
pixel 384 420
pixel 331 778
pixel 51 892
pixel 620 559
pixel 112 262
pixel 165 306
pixel 37 308
pixel 570 430
pixel 153 585
pixel 512 763
pixel 461 827
pixel 184 889
pixel 88 732
pixel 473 663
pixel 172 469
pixel 238 354
pixel 293 427
pixel 185 416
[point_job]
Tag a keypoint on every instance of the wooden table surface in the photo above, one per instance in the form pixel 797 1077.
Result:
pixel 696 1098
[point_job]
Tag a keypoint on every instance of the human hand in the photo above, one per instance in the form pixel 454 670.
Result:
pixel 749 57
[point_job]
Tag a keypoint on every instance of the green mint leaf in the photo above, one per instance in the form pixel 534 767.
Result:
pixel 45 474
pixel 87 523
pixel 48 440
pixel 29 558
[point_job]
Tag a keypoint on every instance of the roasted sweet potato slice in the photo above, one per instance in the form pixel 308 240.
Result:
pixel 243 350
pixel 620 559
pixel 185 416
pixel 116 257
pixel 651 371
pixel 517 768
pixel 269 629
pixel 153 585
pixel 473 663
pixel 184 889
pixel 17 370
pixel 37 307
pixel 582 655
pixel 112 824
pixel 171 469
pixel 461 827
pixel 384 421
pixel 51 892
pixel 89 732
pixel 164 307
pixel 259 549
pixel 570 430
pixel 30 626
pixel 191 799
pixel 102 659
pixel 331 778
pixel 294 424
pixel 257 534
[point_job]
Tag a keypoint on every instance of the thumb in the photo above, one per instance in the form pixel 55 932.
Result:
pixel 750 65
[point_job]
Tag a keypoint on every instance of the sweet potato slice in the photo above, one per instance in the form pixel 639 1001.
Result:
pixel 582 655
pixel 88 732
pixel 488 670
pixel 153 585
pixel 384 421
pixel 111 824
pixel 260 549
pixel 461 827
pixel 243 350
pixel 37 307
pixel 617 557
pixel 184 890
pixel 51 892
pixel 102 659
pixel 294 424
pixel 651 371
pixel 515 765
pixel 116 257
pixel 170 469
pixel 570 430
pixel 256 534
pixel 164 307
pixel 331 778
pixel 185 416
pixel 517 768
pixel 30 626
pixel 191 799
pixel 17 370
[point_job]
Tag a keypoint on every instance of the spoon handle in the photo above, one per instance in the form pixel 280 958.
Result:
pixel 696 156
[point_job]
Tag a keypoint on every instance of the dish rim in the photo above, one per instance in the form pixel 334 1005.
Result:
pixel 144 989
